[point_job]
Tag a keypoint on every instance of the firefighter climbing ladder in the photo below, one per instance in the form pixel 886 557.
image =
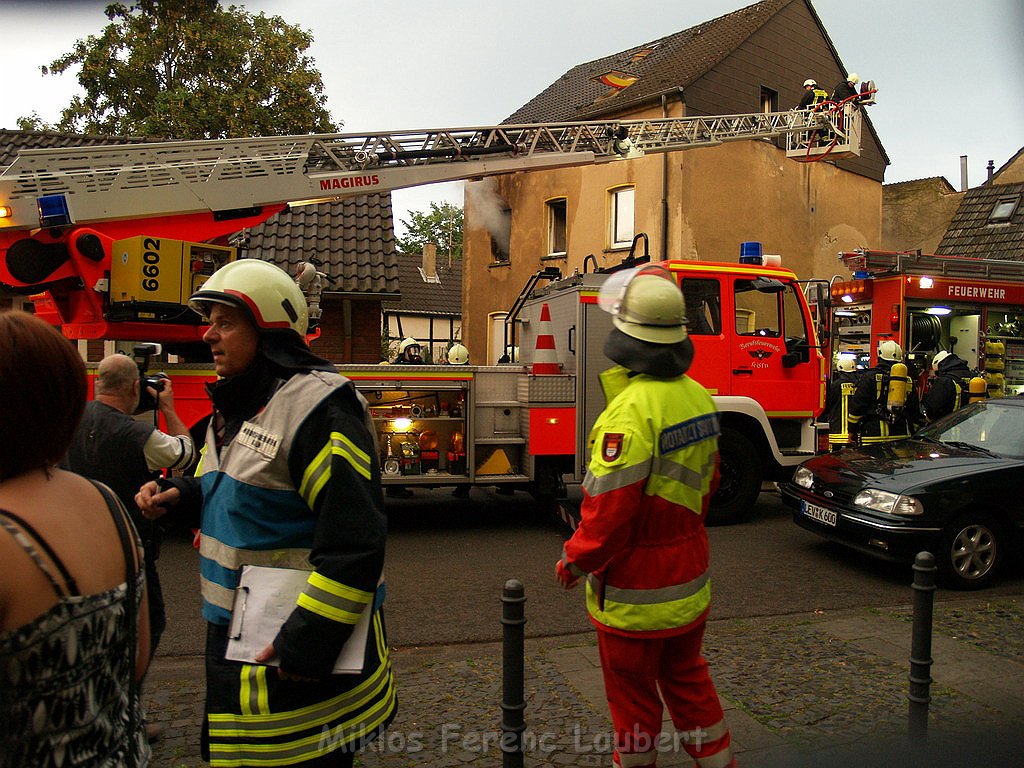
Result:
pixel 235 177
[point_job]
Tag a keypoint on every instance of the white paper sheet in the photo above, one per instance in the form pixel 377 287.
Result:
pixel 264 600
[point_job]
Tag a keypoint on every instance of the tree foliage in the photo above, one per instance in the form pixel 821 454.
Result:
pixel 441 225
pixel 190 69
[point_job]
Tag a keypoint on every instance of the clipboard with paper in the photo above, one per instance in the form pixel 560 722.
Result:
pixel 264 599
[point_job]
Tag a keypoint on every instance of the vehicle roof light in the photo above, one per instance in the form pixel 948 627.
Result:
pixel 942 311
pixel 6 212
pixel 926 282
pixel 53 211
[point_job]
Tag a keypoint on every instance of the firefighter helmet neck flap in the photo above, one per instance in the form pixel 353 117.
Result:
pixel 649 317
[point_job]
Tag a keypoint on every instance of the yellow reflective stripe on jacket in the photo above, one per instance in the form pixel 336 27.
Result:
pixel 318 472
pixel 842 437
pixel 334 600
pixel 648 609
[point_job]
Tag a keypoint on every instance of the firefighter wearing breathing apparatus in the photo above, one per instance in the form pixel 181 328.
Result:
pixel 949 389
pixel 837 402
pixel 885 407
pixel 641 543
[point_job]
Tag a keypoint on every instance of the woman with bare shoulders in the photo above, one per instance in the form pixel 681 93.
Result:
pixel 73 631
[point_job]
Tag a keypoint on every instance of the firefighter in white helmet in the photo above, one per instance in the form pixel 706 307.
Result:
pixel 458 355
pixel 949 388
pixel 410 352
pixel 289 477
pixel 813 95
pixel 885 406
pixel 841 386
pixel 641 543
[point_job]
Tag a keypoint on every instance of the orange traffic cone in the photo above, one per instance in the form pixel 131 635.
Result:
pixel 545 361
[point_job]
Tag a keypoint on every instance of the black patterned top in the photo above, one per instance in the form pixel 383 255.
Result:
pixel 65 676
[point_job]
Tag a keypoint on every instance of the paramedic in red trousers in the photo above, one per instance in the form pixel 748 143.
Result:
pixel 289 478
pixel 641 543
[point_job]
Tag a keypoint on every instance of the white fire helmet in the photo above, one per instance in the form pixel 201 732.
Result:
pixel 810 82
pixel 406 343
pixel 458 355
pixel 939 357
pixel 267 292
pixel 891 351
pixel 645 303
pixel 853 77
pixel 846 363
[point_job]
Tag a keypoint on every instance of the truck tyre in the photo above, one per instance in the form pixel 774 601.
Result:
pixel 740 476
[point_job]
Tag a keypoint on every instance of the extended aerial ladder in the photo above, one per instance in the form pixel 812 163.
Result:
pixel 61 209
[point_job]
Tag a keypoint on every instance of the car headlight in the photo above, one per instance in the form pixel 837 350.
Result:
pixel 803 477
pixel 889 503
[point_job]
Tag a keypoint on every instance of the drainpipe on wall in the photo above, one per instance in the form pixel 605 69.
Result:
pixel 664 177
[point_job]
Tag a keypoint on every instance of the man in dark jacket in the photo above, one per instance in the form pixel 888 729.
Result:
pixel 949 389
pixel 870 416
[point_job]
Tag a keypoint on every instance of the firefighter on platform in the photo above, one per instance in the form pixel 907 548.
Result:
pixel 458 355
pixel 641 543
pixel 885 407
pixel 837 401
pixel 813 95
pixel 950 387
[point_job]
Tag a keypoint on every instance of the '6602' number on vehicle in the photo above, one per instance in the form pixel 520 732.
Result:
pixel 822 515
pixel 151 264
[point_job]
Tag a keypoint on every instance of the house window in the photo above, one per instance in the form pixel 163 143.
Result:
pixel 556 226
pixel 622 217
pixel 769 100
pixel 1004 209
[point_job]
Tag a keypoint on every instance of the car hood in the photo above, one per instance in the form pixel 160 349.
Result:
pixel 902 466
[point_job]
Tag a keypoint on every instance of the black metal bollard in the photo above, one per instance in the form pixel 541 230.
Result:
pixel 921 645
pixel 513 704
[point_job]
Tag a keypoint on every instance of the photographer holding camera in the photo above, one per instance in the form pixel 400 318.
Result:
pixel 125 453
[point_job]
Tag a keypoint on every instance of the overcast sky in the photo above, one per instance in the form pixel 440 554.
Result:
pixel 949 72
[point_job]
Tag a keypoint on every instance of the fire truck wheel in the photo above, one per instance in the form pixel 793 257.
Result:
pixel 740 476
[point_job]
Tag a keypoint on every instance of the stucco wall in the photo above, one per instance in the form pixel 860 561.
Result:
pixel 717 197
pixel 915 215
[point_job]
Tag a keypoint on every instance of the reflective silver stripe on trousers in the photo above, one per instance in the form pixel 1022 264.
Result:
pixel 631 759
pixel 651 596
pixel 717 760
pixel 595 485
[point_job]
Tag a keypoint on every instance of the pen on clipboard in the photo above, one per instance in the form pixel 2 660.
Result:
pixel 241 614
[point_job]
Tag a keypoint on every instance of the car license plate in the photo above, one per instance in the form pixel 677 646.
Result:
pixel 822 515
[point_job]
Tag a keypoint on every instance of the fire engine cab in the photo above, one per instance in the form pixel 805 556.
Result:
pixel 971 307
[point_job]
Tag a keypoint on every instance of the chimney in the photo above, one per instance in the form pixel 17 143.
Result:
pixel 991 170
pixel 429 261
pixel 963 173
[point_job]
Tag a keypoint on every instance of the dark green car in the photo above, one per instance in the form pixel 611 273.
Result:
pixel 955 489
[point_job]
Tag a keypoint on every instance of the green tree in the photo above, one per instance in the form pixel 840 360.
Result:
pixel 189 69
pixel 441 225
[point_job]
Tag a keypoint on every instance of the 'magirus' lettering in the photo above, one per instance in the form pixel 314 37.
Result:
pixel 349 182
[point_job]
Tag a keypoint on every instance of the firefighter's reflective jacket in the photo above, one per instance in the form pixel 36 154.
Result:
pixel 297 485
pixel 641 540
pixel 870 417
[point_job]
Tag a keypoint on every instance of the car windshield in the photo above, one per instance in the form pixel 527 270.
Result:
pixel 994 426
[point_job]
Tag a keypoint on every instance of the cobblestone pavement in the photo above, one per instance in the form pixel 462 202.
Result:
pixel 818 689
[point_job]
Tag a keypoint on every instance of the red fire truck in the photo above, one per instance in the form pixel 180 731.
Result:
pixel 95 235
pixel 969 306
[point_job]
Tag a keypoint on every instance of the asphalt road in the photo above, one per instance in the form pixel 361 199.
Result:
pixel 449 558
